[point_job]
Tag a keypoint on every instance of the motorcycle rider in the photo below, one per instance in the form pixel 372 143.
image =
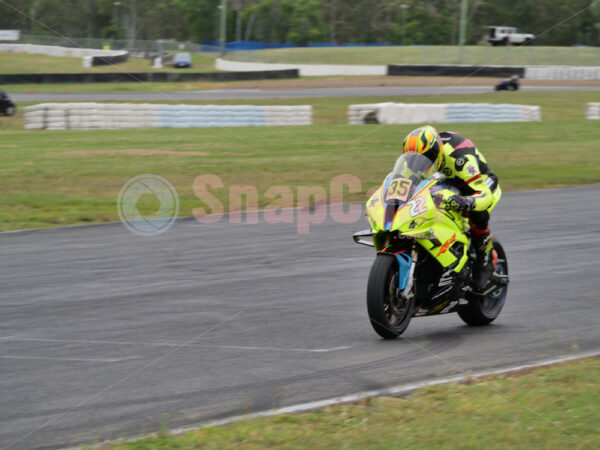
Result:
pixel 467 170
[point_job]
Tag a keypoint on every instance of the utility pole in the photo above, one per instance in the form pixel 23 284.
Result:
pixel 463 29
pixel 404 7
pixel 223 27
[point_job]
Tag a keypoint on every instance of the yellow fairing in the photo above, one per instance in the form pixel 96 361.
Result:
pixel 435 229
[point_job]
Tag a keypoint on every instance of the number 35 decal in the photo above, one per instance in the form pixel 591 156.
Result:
pixel 417 206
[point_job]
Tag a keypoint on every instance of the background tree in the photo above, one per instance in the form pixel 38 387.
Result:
pixel 420 22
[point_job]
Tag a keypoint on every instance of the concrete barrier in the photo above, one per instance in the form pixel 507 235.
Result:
pixel 454 70
pixel 147 77
pixel 418 113
pixel 563 73
pixel 87 116
pixel 592 111
pixel 530 72
pixel 91 56
pixel 306 70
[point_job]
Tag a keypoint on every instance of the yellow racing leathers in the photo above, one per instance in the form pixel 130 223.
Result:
pixel 468 171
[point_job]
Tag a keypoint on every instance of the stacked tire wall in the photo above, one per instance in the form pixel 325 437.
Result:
pixel 562 73
pixel 592 111
pixel 88 116
pixel 415 113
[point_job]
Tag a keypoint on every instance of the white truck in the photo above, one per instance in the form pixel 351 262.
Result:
pixel 500 35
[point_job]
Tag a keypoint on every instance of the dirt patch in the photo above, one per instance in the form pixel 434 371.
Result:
pixel 146 152
pixel 356 141
pixel 132 152
pixel 389 81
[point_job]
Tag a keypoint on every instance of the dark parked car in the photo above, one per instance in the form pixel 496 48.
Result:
pixel 7 106
pixel 182 60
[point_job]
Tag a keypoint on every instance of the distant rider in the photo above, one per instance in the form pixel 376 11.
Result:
pixel 467 170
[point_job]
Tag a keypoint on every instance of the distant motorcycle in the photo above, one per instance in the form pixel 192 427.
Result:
pixel 424 261
pixel 512 84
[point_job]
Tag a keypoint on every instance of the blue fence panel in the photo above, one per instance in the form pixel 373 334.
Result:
pixel 236 46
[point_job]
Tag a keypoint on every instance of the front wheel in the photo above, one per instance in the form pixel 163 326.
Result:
pixel 482 311
pixel 10 111
pixel 389 311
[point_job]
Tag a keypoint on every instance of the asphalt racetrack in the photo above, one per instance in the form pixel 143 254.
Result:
pixel 105 334
pixel 237 94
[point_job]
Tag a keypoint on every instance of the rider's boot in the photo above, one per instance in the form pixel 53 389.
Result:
pixel 484 262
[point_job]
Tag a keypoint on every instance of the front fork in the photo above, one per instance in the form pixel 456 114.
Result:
pixel 411 273
pixel 406 263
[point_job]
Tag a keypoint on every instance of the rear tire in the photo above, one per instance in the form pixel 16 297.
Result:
pixel 10 111
pixel 484 311
pixel 389 313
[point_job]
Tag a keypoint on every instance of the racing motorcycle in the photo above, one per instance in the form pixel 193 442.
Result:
pixel 512 84
pixel 424 264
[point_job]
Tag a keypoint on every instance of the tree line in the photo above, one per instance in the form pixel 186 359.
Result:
pixel 410 22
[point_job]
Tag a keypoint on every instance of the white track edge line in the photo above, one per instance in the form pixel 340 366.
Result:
pixel 400 390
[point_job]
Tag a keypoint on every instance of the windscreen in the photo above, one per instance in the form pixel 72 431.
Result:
pixel 409 171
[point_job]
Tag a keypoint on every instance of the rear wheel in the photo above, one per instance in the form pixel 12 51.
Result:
pixel 389 311
pixel 484 310
pixel 10 111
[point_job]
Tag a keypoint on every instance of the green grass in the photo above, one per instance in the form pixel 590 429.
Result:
pixel 29 63
pixel 476 55
pixel 52 178
pixel 550 408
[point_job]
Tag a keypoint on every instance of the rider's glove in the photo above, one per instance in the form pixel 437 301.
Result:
pixel 460 203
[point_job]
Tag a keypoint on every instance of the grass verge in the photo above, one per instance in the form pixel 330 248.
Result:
pixel 554 407
pixel 432 54
pixel 74 177
pixel 31 63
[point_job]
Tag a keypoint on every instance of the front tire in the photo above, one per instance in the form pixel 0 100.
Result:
pixel 483 311
pixel 10 111
pixel 389 312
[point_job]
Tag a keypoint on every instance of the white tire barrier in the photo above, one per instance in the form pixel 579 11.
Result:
pixel 592 111
pixel 87 116
pixel 563 73
pixel 55 50
pixel 305 70
pixel 415 113
pixel 315 70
